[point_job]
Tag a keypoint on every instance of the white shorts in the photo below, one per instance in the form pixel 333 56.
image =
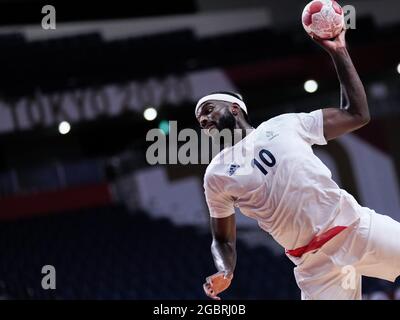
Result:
pixel 369 247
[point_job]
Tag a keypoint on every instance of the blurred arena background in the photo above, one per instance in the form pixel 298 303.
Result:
pixel 76 191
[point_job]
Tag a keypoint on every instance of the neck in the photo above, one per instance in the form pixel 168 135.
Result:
pixel 242 129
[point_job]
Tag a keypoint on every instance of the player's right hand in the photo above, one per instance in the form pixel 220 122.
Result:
pixel 217 283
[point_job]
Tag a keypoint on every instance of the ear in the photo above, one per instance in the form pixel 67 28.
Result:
pixel 235 109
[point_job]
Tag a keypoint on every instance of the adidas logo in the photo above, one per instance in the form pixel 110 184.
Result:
pixel 270 134
pixel 232 169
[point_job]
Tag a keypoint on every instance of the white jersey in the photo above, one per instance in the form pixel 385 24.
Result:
pixel 273 176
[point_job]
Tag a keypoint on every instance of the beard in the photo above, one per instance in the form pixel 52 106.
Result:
pixel 226 121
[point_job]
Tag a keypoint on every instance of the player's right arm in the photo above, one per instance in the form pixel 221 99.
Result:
pixel 223 249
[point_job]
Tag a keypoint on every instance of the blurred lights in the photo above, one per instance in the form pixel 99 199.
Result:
pixel 164 126
pixel 150 114
pixel 398 68
pixel 64 127
pixel 378 90
pixel 311 86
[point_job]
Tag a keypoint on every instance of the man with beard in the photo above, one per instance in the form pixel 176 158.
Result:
pixel 273 176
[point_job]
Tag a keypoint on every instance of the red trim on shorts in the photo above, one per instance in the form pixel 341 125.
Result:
pixel 316 242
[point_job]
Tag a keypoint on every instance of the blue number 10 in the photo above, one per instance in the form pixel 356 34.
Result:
pixel 270 162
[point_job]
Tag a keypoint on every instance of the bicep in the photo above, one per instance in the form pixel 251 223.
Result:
pixel 339 121
pixel 224 229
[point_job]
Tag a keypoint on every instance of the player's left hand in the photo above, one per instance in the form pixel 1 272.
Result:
pixel 333 45
pixel 217 283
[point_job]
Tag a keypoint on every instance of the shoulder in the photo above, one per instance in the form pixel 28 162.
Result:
pixel 214 167
pixel 215 176
pixel 210 175
pixel 293 117
pixel 212 184
pixel 284 118
pixel 311 119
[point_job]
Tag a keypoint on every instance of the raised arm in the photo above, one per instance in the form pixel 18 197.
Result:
pixel 223 249
pixel 353 112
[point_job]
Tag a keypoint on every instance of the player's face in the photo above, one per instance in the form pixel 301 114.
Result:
pixel 216 115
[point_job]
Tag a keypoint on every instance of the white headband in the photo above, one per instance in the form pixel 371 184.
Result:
pixel 221 97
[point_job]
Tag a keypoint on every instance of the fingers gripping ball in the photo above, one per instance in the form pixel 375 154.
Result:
pixel 323 19
pixel 216 284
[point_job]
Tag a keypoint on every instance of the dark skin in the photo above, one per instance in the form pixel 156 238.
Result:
pixel 352 114
pixel 211 112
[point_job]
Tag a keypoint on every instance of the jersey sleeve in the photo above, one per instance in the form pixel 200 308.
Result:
pixel 311 127
pixel 220 204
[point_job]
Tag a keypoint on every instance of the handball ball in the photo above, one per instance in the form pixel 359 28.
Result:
pixel 323 19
